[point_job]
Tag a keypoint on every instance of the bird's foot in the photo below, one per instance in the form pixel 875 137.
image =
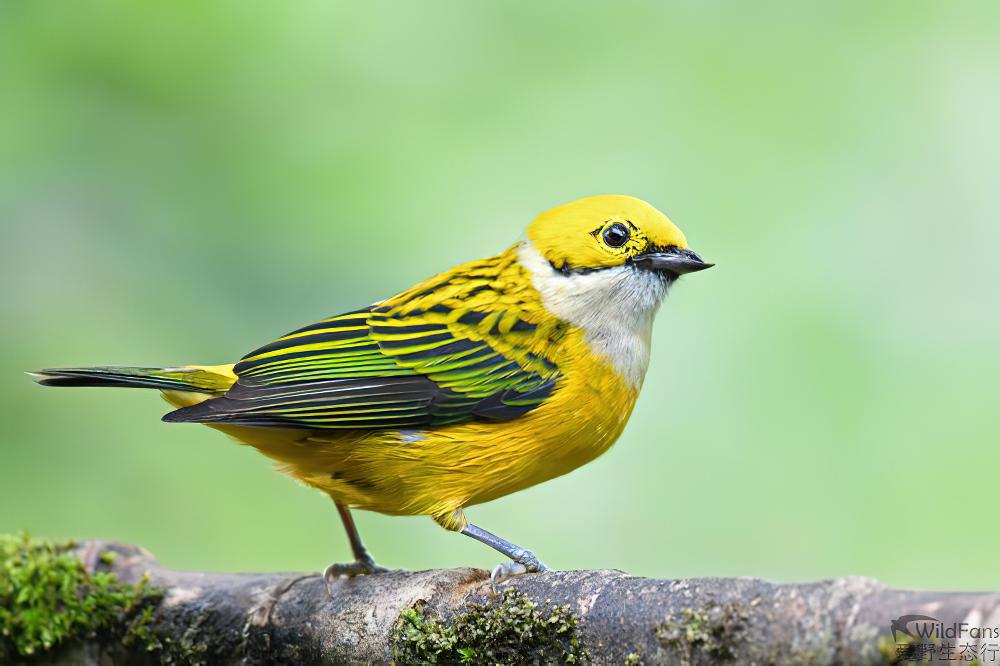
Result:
pixel 525 562
pixel 362 566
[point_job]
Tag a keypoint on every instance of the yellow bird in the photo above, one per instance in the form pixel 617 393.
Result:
pixel 479 382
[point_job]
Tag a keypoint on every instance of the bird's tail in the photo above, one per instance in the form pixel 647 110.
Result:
pixel 215 379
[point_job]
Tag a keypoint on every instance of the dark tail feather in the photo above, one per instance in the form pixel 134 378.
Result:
pixel 221 411
pixel 167 379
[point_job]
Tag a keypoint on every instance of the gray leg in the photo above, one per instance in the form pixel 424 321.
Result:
pixel 357 548
pixel 363 562
pixel 522 560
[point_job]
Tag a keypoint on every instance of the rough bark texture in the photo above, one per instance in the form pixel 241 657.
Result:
pixel 291 618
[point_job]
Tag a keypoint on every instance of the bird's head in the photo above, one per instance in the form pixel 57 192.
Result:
pixel 610 231
pixel 604 264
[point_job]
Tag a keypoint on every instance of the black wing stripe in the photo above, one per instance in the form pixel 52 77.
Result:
pixel 248 367
pixel 383 327
pixel 459 346
pixel 436 340
pixel 365 386
pixel 356 318
pixel 334 335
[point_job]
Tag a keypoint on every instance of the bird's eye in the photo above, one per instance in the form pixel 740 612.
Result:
pixel 616 235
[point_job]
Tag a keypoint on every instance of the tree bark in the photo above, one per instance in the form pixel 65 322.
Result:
pixel 294 618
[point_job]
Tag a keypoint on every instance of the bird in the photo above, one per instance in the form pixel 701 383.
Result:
pixel 476 383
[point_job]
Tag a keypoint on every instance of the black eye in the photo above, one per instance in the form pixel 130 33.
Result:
pixel 616 235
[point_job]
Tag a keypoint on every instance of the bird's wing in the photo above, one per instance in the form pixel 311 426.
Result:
pixel 447 351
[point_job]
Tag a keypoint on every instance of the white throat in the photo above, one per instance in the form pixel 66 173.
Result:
pixel 615 308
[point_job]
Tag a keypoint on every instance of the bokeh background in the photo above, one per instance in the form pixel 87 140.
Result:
pixel 181 182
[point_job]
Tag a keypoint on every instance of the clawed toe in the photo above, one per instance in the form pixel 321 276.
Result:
pixel 522 561
pixel 502 572
pixel 351 569
pixel 525 563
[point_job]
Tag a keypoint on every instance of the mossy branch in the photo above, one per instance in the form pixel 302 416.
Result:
pixel 151 614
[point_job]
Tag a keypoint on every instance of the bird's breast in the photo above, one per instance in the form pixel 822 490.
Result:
pixel 613 308
pixel 582 418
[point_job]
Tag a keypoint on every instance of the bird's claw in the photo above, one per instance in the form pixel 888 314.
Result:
pixel 525 562
pixel 360 567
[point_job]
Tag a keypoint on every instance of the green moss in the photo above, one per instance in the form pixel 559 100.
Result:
pixel 48 599
pixel 887 648
pixel 906 650
pixel 508 629
pixel 189 649
pixel 700 633
pixel 633 659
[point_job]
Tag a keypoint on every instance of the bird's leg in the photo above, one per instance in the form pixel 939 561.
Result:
pixel 522 560
pixel 363 562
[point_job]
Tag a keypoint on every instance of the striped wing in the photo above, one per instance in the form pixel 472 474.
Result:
pixel 389 367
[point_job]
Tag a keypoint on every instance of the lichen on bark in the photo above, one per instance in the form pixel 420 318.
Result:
pixel 709 632
pixel 510 628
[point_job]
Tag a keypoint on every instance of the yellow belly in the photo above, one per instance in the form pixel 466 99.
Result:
pixel 433 472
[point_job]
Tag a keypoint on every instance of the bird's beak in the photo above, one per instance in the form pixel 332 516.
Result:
pixel 672 259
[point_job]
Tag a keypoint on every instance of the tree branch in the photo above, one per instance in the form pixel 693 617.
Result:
pixel 609 617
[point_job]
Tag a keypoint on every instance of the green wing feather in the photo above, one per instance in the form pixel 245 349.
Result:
pixel 433 356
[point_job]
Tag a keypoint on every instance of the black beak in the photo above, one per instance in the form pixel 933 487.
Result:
pixel 671 259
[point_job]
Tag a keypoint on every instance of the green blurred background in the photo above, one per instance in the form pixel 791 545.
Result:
pixel 181 182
